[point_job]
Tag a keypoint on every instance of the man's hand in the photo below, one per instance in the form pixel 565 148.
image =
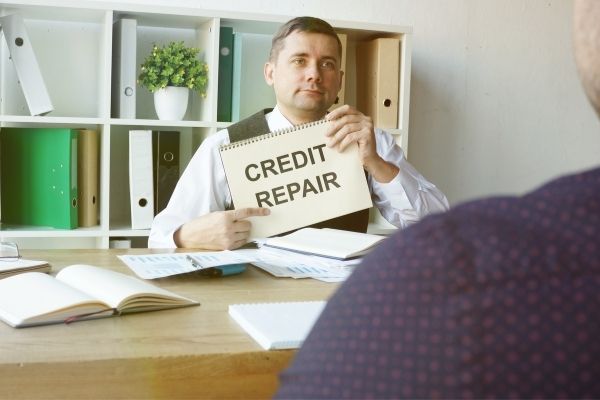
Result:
pixel 348 125
pixel 219 230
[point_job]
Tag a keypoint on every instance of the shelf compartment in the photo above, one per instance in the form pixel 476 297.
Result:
pixel 194 32
pixel 70 50
pixel 119 206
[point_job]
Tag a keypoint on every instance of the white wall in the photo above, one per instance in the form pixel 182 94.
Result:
pixel 496 106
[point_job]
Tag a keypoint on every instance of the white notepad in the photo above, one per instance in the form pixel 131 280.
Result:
pixel 326 242
pixel 278 325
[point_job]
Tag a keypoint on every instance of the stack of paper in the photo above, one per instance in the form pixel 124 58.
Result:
pixel 328 255
pixel 152 266
pixel 280 263
pixel 288 264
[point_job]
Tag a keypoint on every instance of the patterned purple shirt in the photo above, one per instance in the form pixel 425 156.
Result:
pixel 497 298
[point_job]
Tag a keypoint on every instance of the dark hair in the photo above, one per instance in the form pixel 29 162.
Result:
pixel 301 24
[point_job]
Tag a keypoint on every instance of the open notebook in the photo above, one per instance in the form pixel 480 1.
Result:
pixel 79 292
pixel 277 325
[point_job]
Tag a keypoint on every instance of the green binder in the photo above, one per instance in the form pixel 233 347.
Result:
pixel 225 74
pixel 39 177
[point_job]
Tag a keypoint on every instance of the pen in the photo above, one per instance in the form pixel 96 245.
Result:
pixel 193 262
pixel 221 270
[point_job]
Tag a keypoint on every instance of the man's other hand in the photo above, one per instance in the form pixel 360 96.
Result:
pixel 219 230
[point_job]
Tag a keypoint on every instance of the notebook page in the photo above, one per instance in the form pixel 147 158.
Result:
pixel 25 296
pixel 114 288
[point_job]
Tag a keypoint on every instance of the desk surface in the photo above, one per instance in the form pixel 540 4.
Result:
pixel 192 352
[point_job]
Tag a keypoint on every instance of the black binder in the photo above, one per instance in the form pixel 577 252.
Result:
pixel 225 74
pixel 165 156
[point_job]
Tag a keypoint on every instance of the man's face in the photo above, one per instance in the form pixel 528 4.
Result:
pixel 306 76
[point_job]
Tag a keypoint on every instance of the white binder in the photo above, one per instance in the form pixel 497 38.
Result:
pixel 140 179
pixel 124 68
pixel 26 65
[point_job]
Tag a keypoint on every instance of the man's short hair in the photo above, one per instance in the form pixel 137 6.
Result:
pixel 301 24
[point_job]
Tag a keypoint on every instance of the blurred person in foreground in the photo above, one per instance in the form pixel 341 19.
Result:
pixel 497 298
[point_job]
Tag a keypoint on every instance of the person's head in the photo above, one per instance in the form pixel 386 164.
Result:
pixel 586 37
pixel 304 68
pixel 302 24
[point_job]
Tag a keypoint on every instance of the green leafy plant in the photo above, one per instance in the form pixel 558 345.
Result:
pixel 174 65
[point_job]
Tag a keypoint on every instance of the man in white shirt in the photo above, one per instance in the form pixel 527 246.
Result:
pixel 304 71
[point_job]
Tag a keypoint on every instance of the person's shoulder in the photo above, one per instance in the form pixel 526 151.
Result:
pixel 493 222
pixel 216 139
pixel 439 233
pixel 583 181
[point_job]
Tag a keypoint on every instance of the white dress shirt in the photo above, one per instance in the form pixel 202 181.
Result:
pixel 202 187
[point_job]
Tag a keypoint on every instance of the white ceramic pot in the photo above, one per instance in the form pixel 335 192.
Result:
pixel 171 103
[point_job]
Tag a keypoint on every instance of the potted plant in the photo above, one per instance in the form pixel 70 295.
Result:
pixel 170 72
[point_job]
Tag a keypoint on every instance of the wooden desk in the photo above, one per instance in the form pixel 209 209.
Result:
pixel 192 352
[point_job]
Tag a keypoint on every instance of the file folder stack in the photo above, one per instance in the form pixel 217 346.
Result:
pixel 153 173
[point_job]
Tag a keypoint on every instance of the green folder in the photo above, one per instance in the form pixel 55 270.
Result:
pixel 39 177
pixel 225 74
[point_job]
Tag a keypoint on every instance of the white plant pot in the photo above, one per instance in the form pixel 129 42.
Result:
pixel 171 103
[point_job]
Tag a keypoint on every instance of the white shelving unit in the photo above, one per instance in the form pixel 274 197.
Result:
pixel 72 42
